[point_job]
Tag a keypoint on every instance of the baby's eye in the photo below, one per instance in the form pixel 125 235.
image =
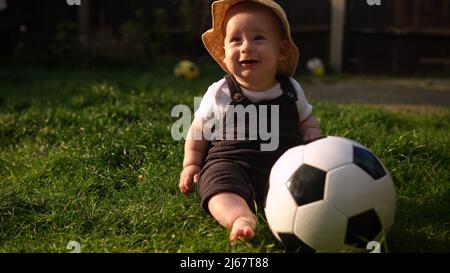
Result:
pixel 260 37
pixel 234 40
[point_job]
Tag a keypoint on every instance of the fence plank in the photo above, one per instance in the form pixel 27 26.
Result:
pixel 337 33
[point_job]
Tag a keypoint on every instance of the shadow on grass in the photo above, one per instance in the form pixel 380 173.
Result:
pixel 13 212
pixel 421 226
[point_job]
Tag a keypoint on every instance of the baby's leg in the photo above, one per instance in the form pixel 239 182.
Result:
pixel 232 212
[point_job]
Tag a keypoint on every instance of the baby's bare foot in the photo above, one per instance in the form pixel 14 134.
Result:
pixel 243 228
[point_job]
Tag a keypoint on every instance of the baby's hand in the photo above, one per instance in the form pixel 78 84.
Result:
pixel 311 134
pixel 188 177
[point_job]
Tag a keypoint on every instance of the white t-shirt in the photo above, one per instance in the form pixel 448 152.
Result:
pixel 217 97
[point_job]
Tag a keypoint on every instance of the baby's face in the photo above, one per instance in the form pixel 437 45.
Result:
pixel 253 45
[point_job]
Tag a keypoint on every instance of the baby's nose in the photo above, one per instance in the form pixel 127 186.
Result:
pixel 247 46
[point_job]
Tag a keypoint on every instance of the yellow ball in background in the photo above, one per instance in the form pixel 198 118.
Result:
pixel 319 72
pixel 186 69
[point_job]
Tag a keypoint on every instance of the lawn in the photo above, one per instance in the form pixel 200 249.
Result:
pixel 87 155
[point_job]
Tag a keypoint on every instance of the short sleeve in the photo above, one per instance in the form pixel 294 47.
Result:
pixel 206 108
pixel 303 107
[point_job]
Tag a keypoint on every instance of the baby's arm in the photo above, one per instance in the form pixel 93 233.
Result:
pixel 194 153
pixel 309 129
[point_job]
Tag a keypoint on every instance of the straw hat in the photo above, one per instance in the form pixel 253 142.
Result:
pixel 213 39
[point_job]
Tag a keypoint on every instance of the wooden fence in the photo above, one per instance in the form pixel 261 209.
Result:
pixel 398 36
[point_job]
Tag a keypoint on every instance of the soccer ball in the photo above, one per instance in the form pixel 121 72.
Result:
pixel 186 69
pixel 331 195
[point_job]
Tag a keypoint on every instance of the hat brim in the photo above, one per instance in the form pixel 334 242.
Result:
pixel 213 39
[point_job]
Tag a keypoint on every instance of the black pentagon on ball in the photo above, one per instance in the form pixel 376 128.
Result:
pixel 362 228
pixel 293 243
pixel 368 162
pixel 307 184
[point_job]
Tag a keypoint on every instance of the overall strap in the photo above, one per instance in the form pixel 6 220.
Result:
pixel 236 93
pixel 287 87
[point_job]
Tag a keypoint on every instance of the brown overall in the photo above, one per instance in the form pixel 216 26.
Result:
pixel 239 166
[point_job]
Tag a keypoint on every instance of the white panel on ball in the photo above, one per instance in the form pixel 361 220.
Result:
pixel 280 209
pixel 347 140
pixel 328 153
pixel 385 200
pixel 320 226
pixel 286 165
pixel 350 190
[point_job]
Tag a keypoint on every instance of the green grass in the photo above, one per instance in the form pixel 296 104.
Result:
pixel 87 155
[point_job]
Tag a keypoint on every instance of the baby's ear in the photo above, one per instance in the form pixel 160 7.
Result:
pixel 282 50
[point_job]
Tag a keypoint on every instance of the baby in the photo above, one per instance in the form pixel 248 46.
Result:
pixel 251 41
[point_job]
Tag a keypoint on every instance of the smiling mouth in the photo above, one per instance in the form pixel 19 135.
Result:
pixel 248 61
